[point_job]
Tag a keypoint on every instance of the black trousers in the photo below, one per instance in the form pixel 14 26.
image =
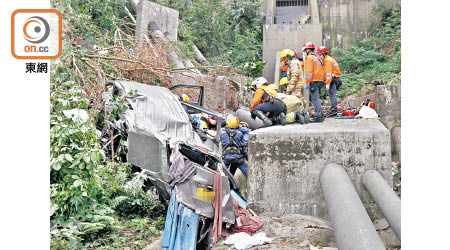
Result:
pixel 275 107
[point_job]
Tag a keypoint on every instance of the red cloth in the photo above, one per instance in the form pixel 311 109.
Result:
pixel 244 221
pixel 217 204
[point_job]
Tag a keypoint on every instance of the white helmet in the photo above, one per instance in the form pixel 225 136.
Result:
pixel 259 81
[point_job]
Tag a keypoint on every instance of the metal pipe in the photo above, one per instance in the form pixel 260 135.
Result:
pixel 386 199
pixel 352 227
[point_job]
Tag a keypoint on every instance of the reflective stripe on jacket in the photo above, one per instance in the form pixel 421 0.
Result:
pixel 283 66
pixel 313 70
pixel 331 68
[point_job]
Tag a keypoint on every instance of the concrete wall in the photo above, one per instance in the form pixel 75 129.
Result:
pixel 389 106
pixel 156 16
pixel 285 162
pixel 277 37
pixel 342 20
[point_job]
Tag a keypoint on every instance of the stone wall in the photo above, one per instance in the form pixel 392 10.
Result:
pixel 285 162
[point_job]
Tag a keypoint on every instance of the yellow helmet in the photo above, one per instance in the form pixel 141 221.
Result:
pixel 271 89
pixel 233 122
pixel 185 98
pixel 272 86
pixel 286 52
pixel 283 81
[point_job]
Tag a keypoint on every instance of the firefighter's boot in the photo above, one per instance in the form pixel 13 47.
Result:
pixel 267 122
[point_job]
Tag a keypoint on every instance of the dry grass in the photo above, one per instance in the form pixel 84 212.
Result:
pixel 133 59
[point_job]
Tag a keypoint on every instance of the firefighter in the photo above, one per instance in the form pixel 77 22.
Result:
pixel 232 140
pixel 294 73
pixel 314 77
pixel 332 77
pixel 266 106
pixel 283 82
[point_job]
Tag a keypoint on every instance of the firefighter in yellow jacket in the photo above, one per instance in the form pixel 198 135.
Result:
pixel 314 77
pixel 332 77
pixel 294 73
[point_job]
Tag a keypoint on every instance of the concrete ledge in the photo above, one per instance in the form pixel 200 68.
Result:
pixel 285 163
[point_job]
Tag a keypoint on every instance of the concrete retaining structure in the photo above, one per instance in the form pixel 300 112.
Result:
pixel 388 105
pixel 153 16
pixel 277 37
pixel 285 162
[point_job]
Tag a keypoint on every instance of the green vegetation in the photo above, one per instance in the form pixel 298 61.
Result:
pixel 228 32
pixel 375 60
pixel 90 194
pixel 95 201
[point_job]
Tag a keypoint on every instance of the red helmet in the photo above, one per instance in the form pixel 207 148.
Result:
pixel 322 49
pixel 308 45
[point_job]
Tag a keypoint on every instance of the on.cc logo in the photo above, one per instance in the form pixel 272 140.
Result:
pixel 36 29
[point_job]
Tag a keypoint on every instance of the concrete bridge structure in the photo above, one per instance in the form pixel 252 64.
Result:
pixel 285 163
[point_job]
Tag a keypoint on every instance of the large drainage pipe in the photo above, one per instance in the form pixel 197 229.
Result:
pixel 386 199
pixel 352 227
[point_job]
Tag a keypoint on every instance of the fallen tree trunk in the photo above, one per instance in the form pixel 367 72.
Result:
pixel 199 56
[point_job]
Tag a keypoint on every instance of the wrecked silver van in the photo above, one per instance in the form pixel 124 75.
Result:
pixel 158 126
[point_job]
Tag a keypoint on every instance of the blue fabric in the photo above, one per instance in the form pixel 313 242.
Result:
pixel 244 142
pixel 332 94
pixel 225 139
pixel 170 228
pixel 233 161
pixel 315 98
pixel 186 238
pixel 245 133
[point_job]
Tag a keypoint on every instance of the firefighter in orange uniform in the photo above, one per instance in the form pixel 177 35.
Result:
pixel 266 106
pixel 332 77
pixel 314 77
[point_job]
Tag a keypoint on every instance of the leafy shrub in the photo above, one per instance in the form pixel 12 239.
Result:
pixel 133 202
pixel 375 60
pixel 83 182
pixel 225 31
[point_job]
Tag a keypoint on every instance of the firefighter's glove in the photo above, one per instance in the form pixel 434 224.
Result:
pixel 306 86
pixel 328 87
pixel 253 116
